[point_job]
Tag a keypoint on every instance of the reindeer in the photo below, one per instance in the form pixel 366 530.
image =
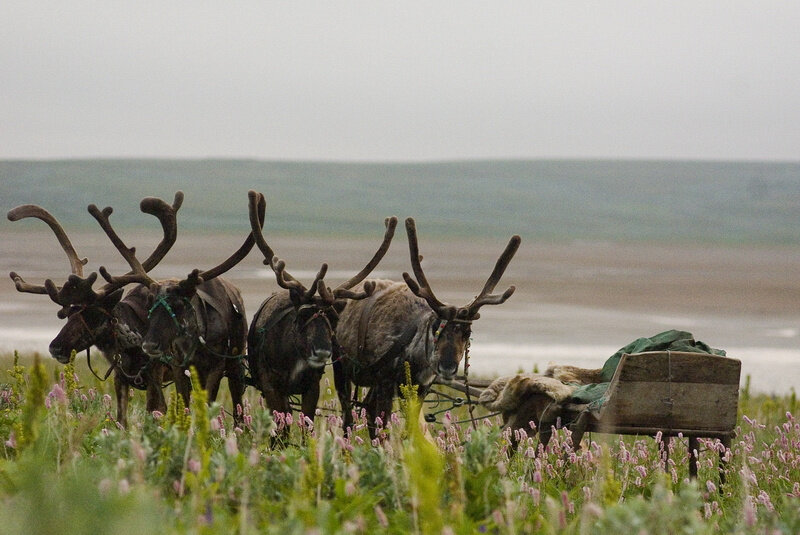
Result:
pixel 103 318
pixel 405 322
pixel 198 321
pixel 291 337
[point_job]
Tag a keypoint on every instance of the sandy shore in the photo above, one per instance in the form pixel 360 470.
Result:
pixel 575 303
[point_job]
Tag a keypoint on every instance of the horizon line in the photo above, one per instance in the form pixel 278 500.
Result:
pixel 409 161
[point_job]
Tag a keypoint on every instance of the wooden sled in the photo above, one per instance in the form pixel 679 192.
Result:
pixel 694 395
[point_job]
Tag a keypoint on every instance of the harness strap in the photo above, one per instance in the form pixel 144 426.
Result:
pixel 136 308
pixel 276 318
pixel 207 298
pixel 110 369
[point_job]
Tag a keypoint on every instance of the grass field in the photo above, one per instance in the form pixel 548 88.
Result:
pixel 66 467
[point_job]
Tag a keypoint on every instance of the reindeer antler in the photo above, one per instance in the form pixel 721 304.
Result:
pixel 32 210
pixel 167 216
pixel 484 298
pixel 284 278
pixel 343 289
pixel 137 273
pixel 325 295
pixel 288 282
pixel 77 283
pixel 235 258
pixel 420 287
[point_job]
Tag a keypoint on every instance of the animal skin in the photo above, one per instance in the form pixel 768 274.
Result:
pixel 573 374
pixel 522 399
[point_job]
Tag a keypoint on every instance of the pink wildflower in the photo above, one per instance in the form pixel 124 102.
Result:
pixel 193 465
pixel 642 470
pixel 381 516
pixel 104 486
pixel 501 468
pixel 231 448
pixel 763 499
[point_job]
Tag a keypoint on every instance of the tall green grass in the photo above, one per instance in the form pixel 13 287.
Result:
pixel 67 467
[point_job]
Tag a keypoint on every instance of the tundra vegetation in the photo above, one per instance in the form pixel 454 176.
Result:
pixel 66 466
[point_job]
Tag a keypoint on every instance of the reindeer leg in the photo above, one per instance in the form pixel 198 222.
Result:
pixel 344 392
pixel 155 395
pixel 212 382
pixel 310 400
pixel 379 405
pixel 277 402
pixel 236 387
pixel 182 384
pixel 121 391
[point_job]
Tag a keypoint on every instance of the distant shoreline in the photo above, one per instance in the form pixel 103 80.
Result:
pixel 555 200
pixel 574 303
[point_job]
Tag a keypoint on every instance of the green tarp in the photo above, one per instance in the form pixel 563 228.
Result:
pixel 667 341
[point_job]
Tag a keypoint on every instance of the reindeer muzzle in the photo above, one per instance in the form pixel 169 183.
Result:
pixel 447 372
pixel 58 353
pixel 319 358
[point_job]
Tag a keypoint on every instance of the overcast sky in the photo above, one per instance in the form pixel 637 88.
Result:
pixel 401 80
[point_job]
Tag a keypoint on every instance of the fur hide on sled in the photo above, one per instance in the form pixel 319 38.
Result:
pixel 522 399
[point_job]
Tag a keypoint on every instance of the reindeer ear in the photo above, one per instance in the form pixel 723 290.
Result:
pixel 188 286
pixel 110 301
pixel 296 297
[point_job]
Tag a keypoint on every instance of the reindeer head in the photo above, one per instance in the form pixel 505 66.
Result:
pixel 316 308
pixel 89 313
pixel 451 327
pixel 90 322
pixel 175 329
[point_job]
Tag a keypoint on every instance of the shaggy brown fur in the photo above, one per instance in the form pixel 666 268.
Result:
pixel 394 307
pixel 573 374
pixel 506 393
pixel 391 311
pixel 523 398
pixel 406 324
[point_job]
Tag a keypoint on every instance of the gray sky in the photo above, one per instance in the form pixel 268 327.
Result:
pixel 401 80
